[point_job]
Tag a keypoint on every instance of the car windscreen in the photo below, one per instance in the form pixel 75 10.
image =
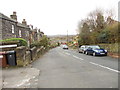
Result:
pixel 64 45
pixel 95 47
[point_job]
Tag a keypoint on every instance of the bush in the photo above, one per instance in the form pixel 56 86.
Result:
pixel 103 36
pixel 43 42
pixel 21 41
pixel 112 48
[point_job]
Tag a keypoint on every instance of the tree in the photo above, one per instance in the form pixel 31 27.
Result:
pixel 44 41
pixel 95 29
pixel 100 22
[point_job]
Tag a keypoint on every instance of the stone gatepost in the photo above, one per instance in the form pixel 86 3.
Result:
pixel 20 55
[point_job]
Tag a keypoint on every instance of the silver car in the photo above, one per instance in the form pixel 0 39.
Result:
pixel 82 49
pixel 65 47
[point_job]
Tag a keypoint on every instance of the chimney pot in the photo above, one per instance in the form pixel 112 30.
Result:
pixel 14 16
pixel 14 13
pixel 24 22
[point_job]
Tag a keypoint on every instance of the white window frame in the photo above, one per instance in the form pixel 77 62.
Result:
pixel 13 29
pixel 27 33
pixel 20 33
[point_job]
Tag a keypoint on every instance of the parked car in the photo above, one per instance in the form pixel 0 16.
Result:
pixel 65 47
pixel 95 50
pixel 82 49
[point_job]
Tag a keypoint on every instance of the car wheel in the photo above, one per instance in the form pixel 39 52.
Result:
pixel 94 54
pixel 86 53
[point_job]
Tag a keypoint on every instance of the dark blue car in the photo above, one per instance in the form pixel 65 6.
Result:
pixel 95 50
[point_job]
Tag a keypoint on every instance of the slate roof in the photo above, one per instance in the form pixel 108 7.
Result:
pixel 10 19
pixel 21 25
pixel 7 18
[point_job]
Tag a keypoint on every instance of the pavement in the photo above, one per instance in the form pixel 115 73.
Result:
pixel 20 77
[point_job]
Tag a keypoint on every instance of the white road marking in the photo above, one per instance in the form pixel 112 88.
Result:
pixel 77 57
pixel 95 63
pixel 105 67
pixel 62 53
pixel 74 56
pixel 67 53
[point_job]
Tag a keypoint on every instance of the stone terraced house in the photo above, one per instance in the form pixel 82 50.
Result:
pixel 8 27
pixel 11 28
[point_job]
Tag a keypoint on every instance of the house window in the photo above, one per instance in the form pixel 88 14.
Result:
pixel 27 33
pixel 20 33
pixel 13 29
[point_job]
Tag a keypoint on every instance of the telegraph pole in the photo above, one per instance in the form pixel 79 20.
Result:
pixel 67 36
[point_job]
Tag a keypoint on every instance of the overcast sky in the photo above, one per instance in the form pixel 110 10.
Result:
pixel 55 17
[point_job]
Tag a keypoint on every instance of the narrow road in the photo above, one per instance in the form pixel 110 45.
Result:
pixel 70 69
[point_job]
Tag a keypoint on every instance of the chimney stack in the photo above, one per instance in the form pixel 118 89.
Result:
pixel 31 27
pixel 14 16
pixel 24 22
pixel 39 30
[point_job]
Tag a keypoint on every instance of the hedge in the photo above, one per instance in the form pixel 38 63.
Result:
pixel 112 48
pixel 21 41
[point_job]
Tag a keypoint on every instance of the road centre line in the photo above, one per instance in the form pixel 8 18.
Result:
pixel 96 64
pixel 105 67
pixel 74 56
pixel 77 57
pixel 67 53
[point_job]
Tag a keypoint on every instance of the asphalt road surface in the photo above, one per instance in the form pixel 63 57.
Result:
pixel 70 69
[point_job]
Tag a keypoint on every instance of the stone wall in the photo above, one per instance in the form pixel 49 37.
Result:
pixel 9 49
pixel 27 58
pixel 33 52
pixel 25 31
pixel 20 55
pixel 7 29
pixel 39 52
pixel 0 29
